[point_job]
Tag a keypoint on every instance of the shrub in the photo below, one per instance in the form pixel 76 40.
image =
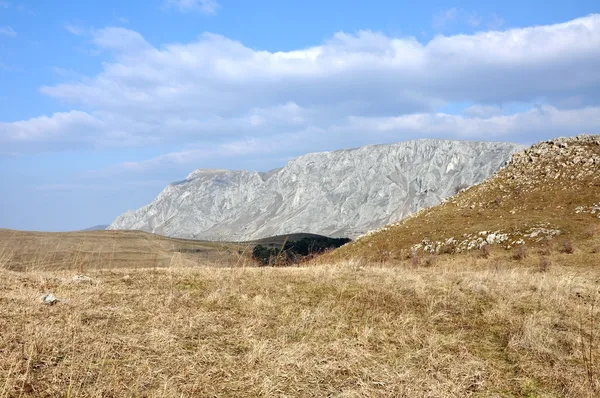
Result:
pixel 545 251
pixel 520 253
pixel 486 251
pixel 431 261
pixel 567 247
pixel 545 264
pixel 415 259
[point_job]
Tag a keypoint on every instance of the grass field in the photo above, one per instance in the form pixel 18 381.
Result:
pixel 464 326
pixel 88 250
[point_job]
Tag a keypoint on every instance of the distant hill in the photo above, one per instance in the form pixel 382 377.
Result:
pixel 96 228
pixel 548 196
pixel 343 193
pixel 88 250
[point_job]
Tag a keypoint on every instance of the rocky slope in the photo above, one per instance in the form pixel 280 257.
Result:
pixel 547 196
pixel 340 193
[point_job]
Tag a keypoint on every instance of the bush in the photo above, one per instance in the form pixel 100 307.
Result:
pixel 265 255
pixel 567 247
pixel 415 259
pixel 520 253
pixel 544 264
pixel 545 251
pixel 486 251
pixel 431 261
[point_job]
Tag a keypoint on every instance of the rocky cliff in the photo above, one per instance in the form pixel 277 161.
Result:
pixel 340 193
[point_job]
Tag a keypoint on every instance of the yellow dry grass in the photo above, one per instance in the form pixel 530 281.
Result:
pixel 88 250
pixel 462 327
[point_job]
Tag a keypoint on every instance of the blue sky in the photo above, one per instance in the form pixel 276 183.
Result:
pixel 102 103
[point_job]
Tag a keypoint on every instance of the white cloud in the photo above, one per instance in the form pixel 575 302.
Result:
pixel 483 111
pixel 75 30
pixel 7 31
pixel 529 126
pixel 217 92
pixel 457 16
pixel 495 22
pixel 47 129
pixel 445 17
pixel 208 7
pixel 535 123
pixel 474 19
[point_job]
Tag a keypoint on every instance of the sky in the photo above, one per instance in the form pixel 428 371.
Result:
pixel 103 103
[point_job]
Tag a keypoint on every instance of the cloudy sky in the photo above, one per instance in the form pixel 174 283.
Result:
pixel 102 103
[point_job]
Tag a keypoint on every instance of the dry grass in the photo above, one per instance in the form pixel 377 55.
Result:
pixel 462 327
pixel 89 250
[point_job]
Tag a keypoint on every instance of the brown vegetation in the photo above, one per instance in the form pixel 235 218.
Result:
pixel 88 250
pixel 467 327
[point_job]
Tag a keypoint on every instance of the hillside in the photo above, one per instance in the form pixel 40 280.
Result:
pixel 339 194
pixel 89 250
pixel 548 196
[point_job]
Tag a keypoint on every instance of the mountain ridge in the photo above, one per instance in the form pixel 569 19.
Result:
pixel 344 192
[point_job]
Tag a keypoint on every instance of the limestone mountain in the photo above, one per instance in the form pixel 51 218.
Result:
pixel 340 193
pixel 548 196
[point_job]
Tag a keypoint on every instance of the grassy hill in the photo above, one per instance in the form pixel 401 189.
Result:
pixel 547 198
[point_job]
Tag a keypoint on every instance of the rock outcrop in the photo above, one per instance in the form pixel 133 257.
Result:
pixel 340 193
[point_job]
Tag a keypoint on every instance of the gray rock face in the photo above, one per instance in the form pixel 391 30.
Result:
pixel 341 193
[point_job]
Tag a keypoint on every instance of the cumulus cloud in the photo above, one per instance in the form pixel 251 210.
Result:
pixel 208 7
pixel 529 126
pixel 217 92
pixel 7 31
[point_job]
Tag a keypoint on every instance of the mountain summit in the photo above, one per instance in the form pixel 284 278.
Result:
pixel 341 193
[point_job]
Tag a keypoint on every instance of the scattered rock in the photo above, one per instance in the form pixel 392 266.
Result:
pixel 50 299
